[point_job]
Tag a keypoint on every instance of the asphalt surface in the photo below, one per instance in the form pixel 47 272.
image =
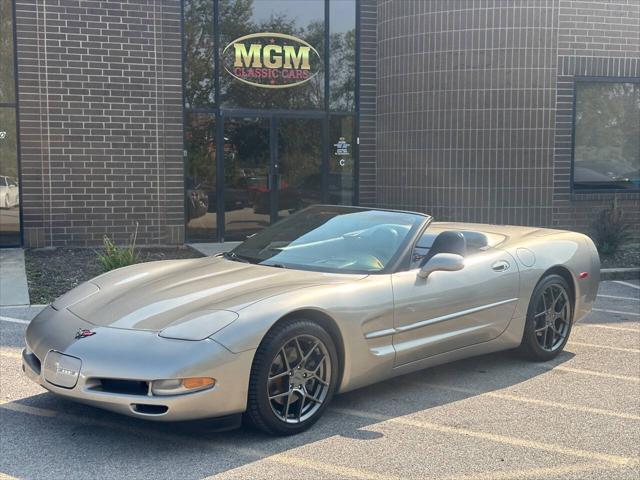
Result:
pixel 494 416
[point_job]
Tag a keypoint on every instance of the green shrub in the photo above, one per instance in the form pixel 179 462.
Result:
pixel 115 257
pixel 610 230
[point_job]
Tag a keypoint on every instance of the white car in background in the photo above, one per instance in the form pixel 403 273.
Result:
pixel 9 192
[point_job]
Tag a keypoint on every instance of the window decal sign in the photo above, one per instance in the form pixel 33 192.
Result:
pixel 342 147
pixel 271 60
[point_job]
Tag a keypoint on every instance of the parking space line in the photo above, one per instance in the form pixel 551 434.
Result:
pixel 607 327
pixel 279 458
pixel 533 401
pixel 14 320
pixel 606 347
pixel 592 373
pixel 619 298
pixel 513 441
pixel 627 284
pixel 10 354
pixel 542 472
pixel 617 312
pixel 4 476
pixel 18 407
pixel 305 462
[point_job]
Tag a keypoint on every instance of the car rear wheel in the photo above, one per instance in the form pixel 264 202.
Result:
pixel 293 378
pixel 549 319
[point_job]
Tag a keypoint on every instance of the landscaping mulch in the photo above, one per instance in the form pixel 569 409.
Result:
pixel 50 273
pixel 626 257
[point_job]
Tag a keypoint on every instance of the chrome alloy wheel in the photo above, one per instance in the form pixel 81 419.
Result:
pixel 552 318
pixel 299 379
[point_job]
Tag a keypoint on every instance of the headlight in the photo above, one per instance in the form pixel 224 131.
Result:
pixel 81 292
pixel 181 385
pixel 199 325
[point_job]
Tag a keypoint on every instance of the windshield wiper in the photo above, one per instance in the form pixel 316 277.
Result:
pixel 235 257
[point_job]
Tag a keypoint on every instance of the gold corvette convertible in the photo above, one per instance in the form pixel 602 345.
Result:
pixel 327 300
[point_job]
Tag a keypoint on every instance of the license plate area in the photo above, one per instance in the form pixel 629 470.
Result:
pixel 61 370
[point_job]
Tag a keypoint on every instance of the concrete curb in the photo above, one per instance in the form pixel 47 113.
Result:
pixel 14 289
pixel 620 273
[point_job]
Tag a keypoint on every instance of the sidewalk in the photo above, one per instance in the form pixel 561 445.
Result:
pixel 13 278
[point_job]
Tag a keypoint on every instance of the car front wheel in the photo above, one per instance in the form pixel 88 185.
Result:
pixel 293 378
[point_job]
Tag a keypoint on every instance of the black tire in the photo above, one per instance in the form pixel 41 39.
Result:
pixel 260 408
pixel 535 346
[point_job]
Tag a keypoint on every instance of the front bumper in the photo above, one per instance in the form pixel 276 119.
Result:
pixel 133 357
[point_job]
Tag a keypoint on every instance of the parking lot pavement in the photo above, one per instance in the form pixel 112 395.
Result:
pixel 489 417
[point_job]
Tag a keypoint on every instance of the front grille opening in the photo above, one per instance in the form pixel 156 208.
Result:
pixel 149 409
pixel 127 387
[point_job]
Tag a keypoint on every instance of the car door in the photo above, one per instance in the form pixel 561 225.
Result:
pixel 451 310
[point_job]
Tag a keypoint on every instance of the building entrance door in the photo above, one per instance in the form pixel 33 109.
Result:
pixel 272 166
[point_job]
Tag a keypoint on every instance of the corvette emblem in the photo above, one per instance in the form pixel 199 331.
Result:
pixel 82 333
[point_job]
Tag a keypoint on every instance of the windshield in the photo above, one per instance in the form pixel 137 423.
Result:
pixel 331 239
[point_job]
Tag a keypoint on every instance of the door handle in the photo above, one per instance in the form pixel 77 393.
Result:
pixel 500 266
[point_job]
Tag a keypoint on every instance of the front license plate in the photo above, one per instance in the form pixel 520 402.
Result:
pixel 61 370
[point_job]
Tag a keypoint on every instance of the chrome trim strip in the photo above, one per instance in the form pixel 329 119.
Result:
pixel 432 321
pixel 380 333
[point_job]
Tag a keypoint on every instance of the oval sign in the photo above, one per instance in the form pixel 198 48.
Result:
pixel 271 60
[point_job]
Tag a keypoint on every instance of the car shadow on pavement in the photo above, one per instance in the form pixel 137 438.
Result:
pixel 46 436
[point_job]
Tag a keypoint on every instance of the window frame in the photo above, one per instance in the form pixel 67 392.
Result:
pixel 572 184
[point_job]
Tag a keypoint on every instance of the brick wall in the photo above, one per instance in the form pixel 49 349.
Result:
pixel 100 120
pixel 596 39
pixel 466 108
pixel 367 127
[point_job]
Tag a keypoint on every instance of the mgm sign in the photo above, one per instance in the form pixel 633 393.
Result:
pixel 271 60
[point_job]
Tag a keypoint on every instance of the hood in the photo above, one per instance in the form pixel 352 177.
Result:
pixel 152 296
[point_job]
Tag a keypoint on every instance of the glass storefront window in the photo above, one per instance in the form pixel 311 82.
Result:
pixel 200 179
pixel 341 160
pixel 272 54
pixel 247 186
pixel 7 83
pixel 342 55
pixel 9 174
pixel 299 164
pixel 607 143
pixel 276 102
pixel 198 53
pixel 9 187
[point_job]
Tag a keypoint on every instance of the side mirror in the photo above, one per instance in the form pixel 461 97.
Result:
pixel 444 262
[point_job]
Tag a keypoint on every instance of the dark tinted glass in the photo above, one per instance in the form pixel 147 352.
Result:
pixel 9 187
pixel 342 54
pixel 198 53
pixel 271 53
pixel 200 179
pixel 334 239
pixel 607 136
pixel 341 159
pixel 7 86
pixel 247 189
pixel 299 164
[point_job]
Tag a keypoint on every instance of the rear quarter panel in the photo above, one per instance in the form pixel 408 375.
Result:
pixel 547 250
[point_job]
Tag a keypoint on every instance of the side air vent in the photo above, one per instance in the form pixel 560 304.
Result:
pixel 147 409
